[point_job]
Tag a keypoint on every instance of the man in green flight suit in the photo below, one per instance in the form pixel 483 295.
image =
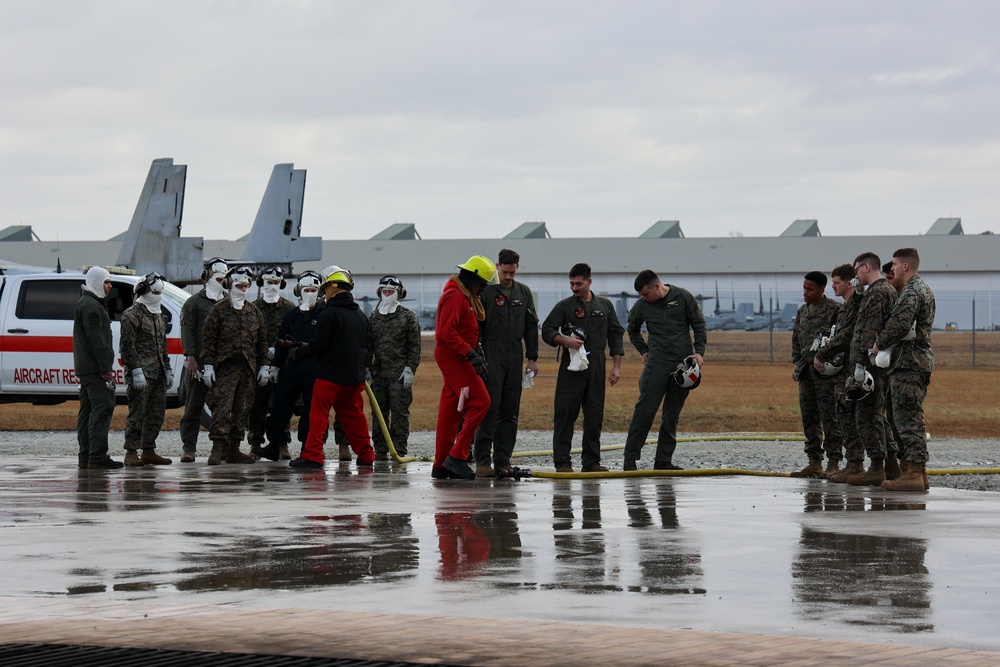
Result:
pixel 671 314
pixel 510 319
pixel 589 322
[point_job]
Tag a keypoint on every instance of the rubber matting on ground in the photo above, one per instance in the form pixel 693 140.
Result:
pixel 58 655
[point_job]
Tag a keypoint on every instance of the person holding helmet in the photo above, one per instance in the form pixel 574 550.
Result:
pixel 235 355
pixel 193 316
pixel 339 345
pixel 148 375
pixel 393 357
pixel 869 413
pixel 909 327
pixel 575 389
pixel 93 358
pixel 298 376
pixel 463 367
pixel 508 334
pixel 811 330
pixel 273 307
pixel 835 353
pixel 670 361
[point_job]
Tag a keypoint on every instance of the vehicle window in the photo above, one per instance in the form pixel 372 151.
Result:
pixel 48 299
pixel 119 298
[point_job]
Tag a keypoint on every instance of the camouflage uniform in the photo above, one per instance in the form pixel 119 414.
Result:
pixel 234 345
pixel 913 364
pixel 869 412
pixel 840 343
pixel 393 343
pixel 817 395
pixel 144 345
pixel 193 316
pixel 272 314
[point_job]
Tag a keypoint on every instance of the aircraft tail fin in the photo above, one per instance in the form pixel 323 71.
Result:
pixel 275 236
pixel 153 241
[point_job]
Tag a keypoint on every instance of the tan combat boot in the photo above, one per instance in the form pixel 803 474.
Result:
pixel 852 468
pixel 132 459
pixel 892 469
pixel 218 451
pixel 832 468
pixel 234 455
pixel 345 453
pixel 813 470
pixel 873 477
pixel 913 480
pixel 283 453
pixel 150 457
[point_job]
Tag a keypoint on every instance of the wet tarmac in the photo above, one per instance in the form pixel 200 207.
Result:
pixel 772 556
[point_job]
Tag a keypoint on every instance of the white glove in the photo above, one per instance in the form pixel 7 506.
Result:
pixel 138 379
pixel 274 374
pixel 368 376
pixel 169 378
pixel 270 353
pixel 883 358
pixel 263 376
pixel 578 359
pixel 407 377
pixel 208 375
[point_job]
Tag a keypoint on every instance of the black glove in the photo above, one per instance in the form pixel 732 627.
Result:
pixel 478 363
pixel 296 352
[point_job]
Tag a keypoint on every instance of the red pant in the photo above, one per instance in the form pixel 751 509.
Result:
pixel 457 374
pixel 347 401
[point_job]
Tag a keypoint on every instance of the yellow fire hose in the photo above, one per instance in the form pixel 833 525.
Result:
pixel 385 430
pixel 613 474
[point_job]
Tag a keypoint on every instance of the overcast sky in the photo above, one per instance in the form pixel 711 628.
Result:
pixel 469 118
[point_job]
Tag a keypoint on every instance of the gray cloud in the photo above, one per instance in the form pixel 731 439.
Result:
pixel 468 118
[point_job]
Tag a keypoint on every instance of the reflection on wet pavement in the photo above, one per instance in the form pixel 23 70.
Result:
pixel 862 579
pixel 732 554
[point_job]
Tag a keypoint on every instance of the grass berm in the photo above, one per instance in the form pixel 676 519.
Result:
pixel 741 391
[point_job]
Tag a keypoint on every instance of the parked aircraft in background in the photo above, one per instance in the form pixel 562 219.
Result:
pixel 153 241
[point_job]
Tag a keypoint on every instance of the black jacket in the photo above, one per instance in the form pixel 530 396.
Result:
pixel 300 325
pixel 340 343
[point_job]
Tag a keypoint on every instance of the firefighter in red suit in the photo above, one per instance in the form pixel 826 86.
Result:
pixel 463 367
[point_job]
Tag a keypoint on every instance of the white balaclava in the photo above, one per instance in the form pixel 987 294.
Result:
pixel 94 280
pixel 388 303
pixel 270 293
pixel 238 291
pixel 213 289
pixel 150 300
pixel 308 299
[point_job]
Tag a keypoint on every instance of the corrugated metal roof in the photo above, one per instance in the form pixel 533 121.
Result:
pixel 712 256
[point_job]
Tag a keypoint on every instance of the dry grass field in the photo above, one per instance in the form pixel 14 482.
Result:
pixel 741 391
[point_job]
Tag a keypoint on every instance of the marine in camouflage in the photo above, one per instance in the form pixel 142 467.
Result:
pixel 143 345
pixel 393 344
pixel 260 410
pixel 817 393
pixel 913 363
